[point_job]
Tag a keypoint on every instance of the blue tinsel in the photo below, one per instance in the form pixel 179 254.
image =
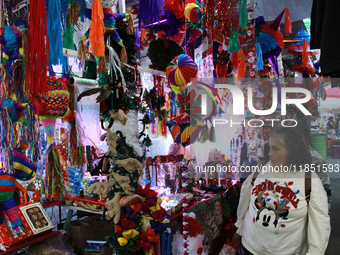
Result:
pixel 54 31
pixel 267 41
pixel 64 4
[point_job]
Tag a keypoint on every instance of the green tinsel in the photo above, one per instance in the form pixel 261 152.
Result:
pixel 68 35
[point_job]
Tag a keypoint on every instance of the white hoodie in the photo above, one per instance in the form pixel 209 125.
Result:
pixel 274 218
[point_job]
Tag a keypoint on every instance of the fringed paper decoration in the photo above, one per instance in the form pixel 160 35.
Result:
pixel 6 140
pixel 288 22
pixel 243 18
pixel 241 68
pixel 212 134
pixel 96 36
pixel 76 155
pixel 233 41
pixel 102 65
pixel 304 53
pixel 259 63
pixel 235 57
pixel 37 49
pixel 68 34
pixel 82 51
pixel 54 31
pixel 74 10
pixel 142 34
pixel 31 132
pixel 150 11
pixel 129 28
pixel 54 182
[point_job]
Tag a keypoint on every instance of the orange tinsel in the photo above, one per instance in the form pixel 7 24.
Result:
pixel 96 36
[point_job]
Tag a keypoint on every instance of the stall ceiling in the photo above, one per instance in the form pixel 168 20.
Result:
pixel 270 9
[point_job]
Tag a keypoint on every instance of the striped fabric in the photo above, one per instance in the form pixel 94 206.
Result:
pixel 24 169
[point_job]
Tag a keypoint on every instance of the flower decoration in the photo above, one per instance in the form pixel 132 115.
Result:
pixel 152 236
pixel 158 227
pixel 159 215
pixel 127 218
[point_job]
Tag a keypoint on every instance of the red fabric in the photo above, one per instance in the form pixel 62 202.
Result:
pixel 7 188
pixel 37 49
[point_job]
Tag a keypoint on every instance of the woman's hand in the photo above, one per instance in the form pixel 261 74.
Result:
pixel 237 239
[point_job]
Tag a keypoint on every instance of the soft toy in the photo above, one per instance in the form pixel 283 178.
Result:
pixel 111 139
pixel 195 237
pixel 129 164
pixel 24 170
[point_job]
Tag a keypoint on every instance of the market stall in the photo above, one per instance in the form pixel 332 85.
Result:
pixel 117 112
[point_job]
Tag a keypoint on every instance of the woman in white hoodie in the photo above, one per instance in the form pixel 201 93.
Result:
pixel 275 215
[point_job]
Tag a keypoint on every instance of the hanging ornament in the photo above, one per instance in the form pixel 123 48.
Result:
pixel 37 49
pixel 181 70
pixel 54 31
pixel 193 13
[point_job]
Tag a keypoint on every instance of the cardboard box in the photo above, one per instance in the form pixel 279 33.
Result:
pixel 89 229
pixel 106 251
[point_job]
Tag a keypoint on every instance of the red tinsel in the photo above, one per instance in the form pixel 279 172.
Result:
pixel 37 49
pixel 219 15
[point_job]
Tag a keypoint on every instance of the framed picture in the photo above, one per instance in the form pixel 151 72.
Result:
pixel 36 218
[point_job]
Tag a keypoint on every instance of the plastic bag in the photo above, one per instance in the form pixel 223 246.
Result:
pixel 52 246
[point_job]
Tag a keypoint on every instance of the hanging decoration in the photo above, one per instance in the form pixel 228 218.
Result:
pixel 36 50
pixel 181 70
pixel 150 12
pixel 49 107
pixel 193 13
pixel 54 31
pixel 302 51
pixel 160 55
pixel 218 15
pixel 11 51
pixel 101 28
pixel 270 39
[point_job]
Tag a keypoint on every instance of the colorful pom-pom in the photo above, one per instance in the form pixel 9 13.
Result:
pixel 181 69
pixel 193 13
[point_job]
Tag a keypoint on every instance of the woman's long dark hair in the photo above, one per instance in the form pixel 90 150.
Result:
pixel 292 141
